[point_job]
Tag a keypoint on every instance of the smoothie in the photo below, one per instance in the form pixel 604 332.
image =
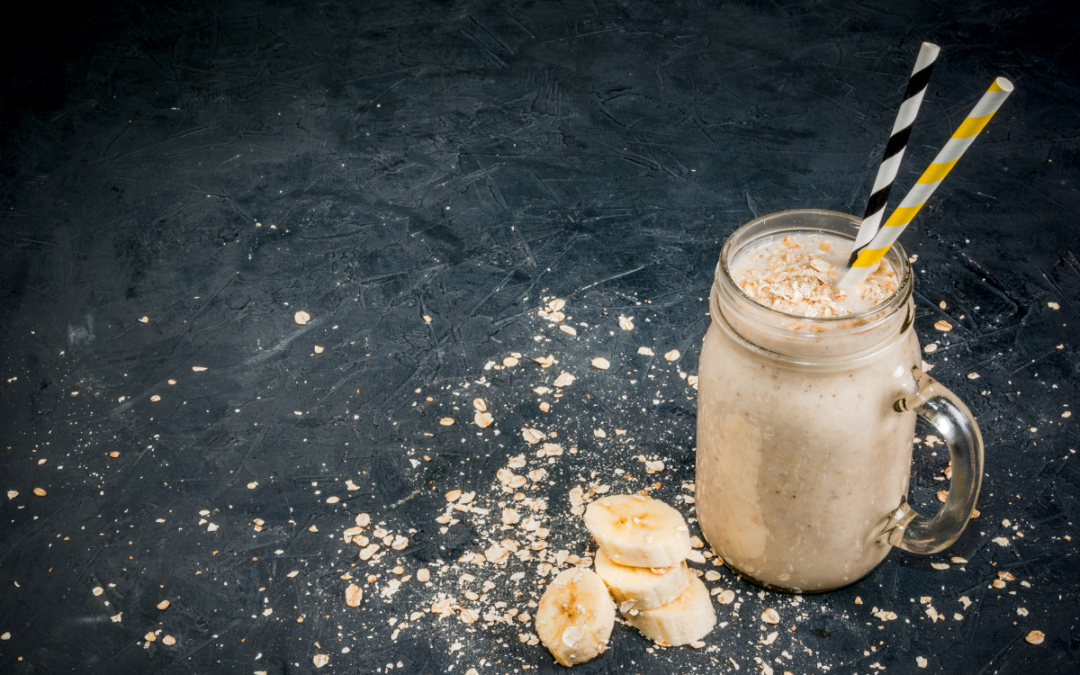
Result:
pixel 797 274
pixel 801 458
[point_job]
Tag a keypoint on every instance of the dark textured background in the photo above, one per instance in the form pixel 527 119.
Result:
pixel 462 160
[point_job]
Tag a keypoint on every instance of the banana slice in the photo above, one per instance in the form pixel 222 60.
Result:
pixel 688 619
pixel 575 616
pixel 638 531
pixel 641 587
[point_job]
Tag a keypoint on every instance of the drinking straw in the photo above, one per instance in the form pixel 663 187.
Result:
pixel 961 139
pixel 894 150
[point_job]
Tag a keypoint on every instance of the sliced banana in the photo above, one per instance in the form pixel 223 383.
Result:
pixel 575 616
pixel 638 531
pixel 688 619
pixel 641 587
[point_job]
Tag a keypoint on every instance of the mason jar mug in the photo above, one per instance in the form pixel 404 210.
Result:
pixel 805 430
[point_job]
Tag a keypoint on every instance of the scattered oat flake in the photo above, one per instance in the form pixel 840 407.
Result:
pixel 943 326
pixel 353 595
pixel 565 379
pixel 510 362
pixel 301 317
pixel 483 419
pixel 930 348
pixel 599 433
pixel 12 494
pixel 532 436
pixel 726 597
pixel 144 319
pixel 447 421
pixel 320 660
pixel 973 376
pixel 568 329
pixel 1067 414
pixel 1035 637
pixel 333 500
pixel 957 560
pixel 423 575
pixel 319 349
pixel 921 661
pixel 601 363
pixel 496 554
pixel 940 566
pixel 673 355
pixel 1021 611
pixel 942 495
pixel 1053 305
pixel 155 398
pixel 39 492
pixel 117 618
pixel 1000 541
pixel 164 604
pixel 644 351
pixel 97 590
pixel 770 616
pixel 168 640
pixel 211 527
pixel 626 323
pixel 5 636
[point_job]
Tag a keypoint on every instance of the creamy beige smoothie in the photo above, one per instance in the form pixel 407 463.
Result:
pixel 801 458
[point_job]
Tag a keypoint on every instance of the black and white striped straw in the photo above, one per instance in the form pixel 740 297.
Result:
pixel 894 151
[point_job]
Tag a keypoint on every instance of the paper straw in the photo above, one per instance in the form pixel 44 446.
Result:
pixel 961 139
pixel 894 150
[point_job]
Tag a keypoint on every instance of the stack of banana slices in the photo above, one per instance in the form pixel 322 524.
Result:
pixel 643 547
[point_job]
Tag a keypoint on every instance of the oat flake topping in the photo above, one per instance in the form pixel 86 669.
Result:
pixel 795 279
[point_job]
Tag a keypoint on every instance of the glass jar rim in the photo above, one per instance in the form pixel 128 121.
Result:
pixel 897 257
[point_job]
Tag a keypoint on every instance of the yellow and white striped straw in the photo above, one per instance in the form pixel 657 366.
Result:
pixel 928 182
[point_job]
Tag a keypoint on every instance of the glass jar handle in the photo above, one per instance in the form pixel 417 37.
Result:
pixel 907 529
